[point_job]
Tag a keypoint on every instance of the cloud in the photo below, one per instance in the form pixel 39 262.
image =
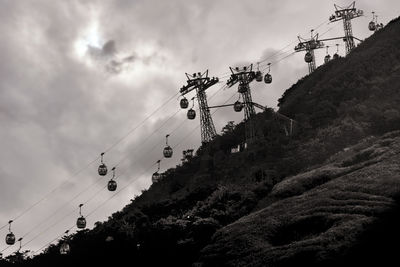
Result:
pixel 110 59
pixel 58 113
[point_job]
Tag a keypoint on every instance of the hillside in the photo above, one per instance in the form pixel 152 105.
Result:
pixel 325 195
pixel 321 217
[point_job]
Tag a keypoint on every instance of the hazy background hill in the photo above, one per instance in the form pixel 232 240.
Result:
pixel 321 196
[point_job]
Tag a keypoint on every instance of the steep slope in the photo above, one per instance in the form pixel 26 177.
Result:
pixel 285 199
pixel 317 216
pixel 320 216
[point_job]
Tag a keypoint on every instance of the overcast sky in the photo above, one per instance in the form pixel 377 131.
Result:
pixel 76 76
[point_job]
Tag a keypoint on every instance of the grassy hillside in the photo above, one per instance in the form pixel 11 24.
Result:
pixel 321 217
pixel 286 199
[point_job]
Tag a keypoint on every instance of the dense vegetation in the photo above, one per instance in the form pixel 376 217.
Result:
pixel 191 215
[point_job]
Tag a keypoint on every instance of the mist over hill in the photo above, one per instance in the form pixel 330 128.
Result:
pixel 326 195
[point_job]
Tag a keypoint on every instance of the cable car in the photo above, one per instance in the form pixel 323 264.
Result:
pixel 259 76
pixel 65 248
pixel 268 77
pixel 112 185
pixel 327 58
pixel 155 177
pixel 10 237
pixel 308 57
pixel 242 88
pixel 168 152
pixel 191 114
pixel 336 55
pixel 102 168
pixel 184 103
pixel 167 149
pixel 238 106
pixel 81 221
pixel 372 26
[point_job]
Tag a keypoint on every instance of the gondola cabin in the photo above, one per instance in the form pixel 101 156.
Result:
pixel 155 177
pixel 238 106
pixel 184 103
pixel 102 170
pixel 336 56
pixel 327 58
pixel 308 57
pixel 372 26
pixel 259 76
pixel 64 248
pixel 191 114
pixel 167 152
pixel 268 78
pixel 242 88
pixel 81 223
pixel 10 239
pixel 112 185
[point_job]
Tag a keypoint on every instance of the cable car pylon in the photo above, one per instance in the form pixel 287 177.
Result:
pixel 347 14
pixel 200 82
pixel 244 76
pixel 309 45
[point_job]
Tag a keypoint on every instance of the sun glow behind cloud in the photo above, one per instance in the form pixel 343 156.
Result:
pixel 89 37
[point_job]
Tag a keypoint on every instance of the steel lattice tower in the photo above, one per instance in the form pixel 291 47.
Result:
pixel 311 65
pixel 200 83
pixel 245 76
pixel 309 45
pixel 347 14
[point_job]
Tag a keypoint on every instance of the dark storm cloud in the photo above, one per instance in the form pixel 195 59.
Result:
pixel 109 58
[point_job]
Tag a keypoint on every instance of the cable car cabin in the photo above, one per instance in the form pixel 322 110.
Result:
pixel 238 106
pixel 336 56
pixel 112 185
pixel 168 152
pixel 184 103
pixel 242 88
pixel 64 248
pixel 155 177
pixel 327 58
pixel 191 114
pixel 10 239
pixel 372 26
pixel 308 57
pixel 102 169
pixel 268 78
pixel 259 76
pixel 81 222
